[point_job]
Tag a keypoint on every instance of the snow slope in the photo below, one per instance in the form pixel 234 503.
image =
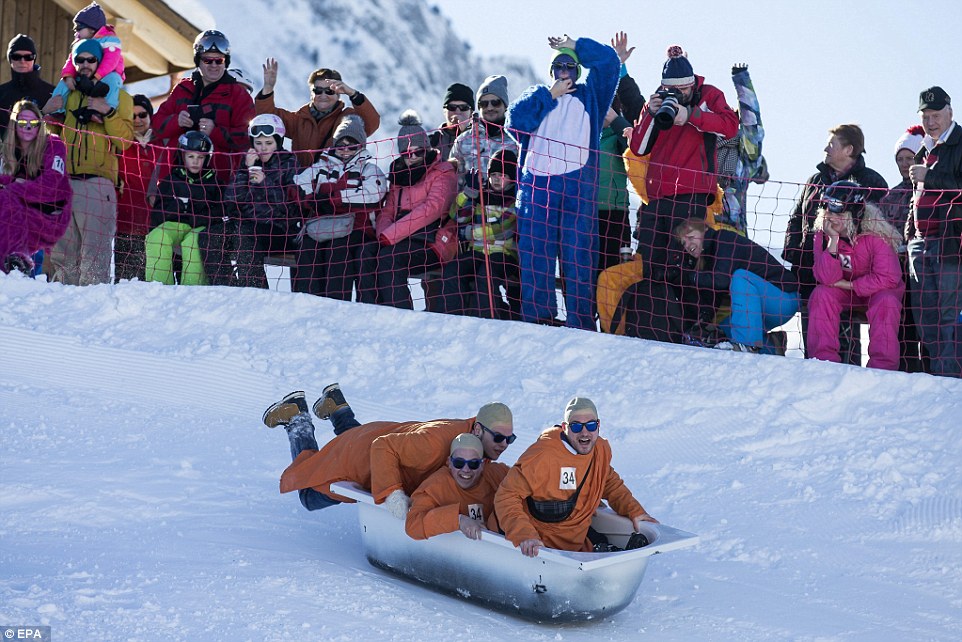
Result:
pixel 139 488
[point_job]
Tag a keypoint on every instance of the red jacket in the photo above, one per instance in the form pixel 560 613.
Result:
pixel 226 102
pixel 136 168
pixel 679 162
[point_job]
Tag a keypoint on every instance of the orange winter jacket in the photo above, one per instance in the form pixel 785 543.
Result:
pixel 549 470
pixel 402 455
pixel 437 503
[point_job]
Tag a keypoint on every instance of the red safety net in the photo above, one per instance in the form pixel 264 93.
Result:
pixel 596 240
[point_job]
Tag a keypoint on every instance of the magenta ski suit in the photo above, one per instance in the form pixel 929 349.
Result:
pixel 873 268
pixel 34 213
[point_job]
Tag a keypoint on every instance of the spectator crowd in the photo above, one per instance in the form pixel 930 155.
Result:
pixel 503 210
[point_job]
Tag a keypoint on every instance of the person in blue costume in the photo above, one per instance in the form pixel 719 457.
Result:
pixel 559 128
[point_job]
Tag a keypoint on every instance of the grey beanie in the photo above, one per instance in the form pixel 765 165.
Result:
pixel 579 403
pixel 351 126
pixel 411 133
pixel 497 85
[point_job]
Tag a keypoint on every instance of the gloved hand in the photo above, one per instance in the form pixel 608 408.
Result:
pixel 84 85
pixel 99 90
pixel 398 503
pixel 739 67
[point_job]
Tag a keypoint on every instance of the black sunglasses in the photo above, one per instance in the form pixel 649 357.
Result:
pixel 323 90
pixel 496 436
pixel 458 107
pixel 459 462
pixel 140 116
pixel 578 426
pixel 497 102
pixel 79 60
pixel 16 56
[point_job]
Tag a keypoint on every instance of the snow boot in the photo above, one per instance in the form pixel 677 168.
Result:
pixel 281 413
pixel 330 401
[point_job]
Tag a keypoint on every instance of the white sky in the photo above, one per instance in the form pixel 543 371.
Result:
pixel 814 64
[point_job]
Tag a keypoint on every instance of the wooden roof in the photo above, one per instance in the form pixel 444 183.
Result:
pixel 157 41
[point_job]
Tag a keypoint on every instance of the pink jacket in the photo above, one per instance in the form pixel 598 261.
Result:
pixel 409 209
pixel 113 57
pixel 871 265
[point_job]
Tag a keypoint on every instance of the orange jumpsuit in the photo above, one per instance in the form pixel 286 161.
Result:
pixel 549 470
pixel 381 456
pixel 437 503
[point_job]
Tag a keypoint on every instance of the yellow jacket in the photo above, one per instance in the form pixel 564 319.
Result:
pixel 93 148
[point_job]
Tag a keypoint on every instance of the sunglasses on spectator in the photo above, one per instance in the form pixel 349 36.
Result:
pixel 348 147
pixel 570 66
pixel 16 56
pixel 262 130
pixel 79 60
pixel 578 426
pixel 497 102
pixel 413 152
pixel 496 436
pixel 212 61
pixel 27 124
pixel 461 107
pixel 140 115
pixel 323 90
pixel 459 462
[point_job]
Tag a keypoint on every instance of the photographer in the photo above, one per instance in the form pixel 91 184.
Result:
pixel 210 101
pixel 683 122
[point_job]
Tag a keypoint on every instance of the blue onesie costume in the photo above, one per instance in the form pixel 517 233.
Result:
pixel 558 184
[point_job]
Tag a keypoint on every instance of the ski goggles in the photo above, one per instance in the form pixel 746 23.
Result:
pixel 578 426
pixel 262 130
pixel 496 436
pixel 459 462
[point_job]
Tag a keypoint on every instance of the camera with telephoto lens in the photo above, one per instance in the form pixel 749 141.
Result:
pixel 665 116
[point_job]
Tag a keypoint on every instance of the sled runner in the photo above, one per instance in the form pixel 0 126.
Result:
pixel 555 586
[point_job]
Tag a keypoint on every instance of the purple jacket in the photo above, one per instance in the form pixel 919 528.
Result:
pixel 871 265
pixel 34 213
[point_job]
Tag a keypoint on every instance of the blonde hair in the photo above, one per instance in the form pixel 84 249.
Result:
pixel 691 225
pixel 32 157
pixel 873 224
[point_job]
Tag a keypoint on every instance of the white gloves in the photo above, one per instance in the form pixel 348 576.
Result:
pixel 398 503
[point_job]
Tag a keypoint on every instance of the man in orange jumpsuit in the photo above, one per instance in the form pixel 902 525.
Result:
pixel 550 495
pixel 459 496
pixel 388 458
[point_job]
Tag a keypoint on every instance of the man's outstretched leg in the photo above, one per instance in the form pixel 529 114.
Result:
pixel 291 412
pixel 332 405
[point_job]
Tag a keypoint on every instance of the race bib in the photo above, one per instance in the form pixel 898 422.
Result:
pixel 569 478
pixel 58 165
pixel 476 512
